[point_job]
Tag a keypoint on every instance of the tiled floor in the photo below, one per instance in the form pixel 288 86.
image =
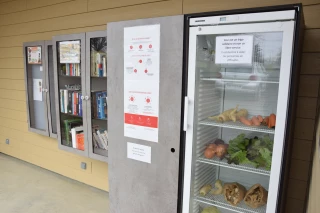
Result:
pixel 25 188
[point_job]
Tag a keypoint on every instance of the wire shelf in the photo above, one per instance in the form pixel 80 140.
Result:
pixel 220 202
pixel 238 80
pixel 237 125
pixel 242 167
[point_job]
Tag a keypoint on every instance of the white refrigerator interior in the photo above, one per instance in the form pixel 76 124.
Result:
pixel 239 70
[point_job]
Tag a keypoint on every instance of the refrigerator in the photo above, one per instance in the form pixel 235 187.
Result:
pixel 241 73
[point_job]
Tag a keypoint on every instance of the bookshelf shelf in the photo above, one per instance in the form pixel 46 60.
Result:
pixel 100 119
pixel 96 77
pixel 70 76
pixel 68 114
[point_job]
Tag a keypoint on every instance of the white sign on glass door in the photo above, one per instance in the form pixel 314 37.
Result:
pixel 234 49
pixel 139 152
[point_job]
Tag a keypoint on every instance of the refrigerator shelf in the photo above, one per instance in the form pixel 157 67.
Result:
pixel 242 167
pixel 237 125
pixel 219 201
pixel 238 80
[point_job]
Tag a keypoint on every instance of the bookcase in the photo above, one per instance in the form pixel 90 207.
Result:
pixel 81 93
pixel 38 64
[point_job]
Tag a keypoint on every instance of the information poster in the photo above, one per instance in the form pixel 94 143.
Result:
pixel 69 52
pixel 141 82
pixel 139 152
pixel 37 89
pixel 234 49
pixel 34 55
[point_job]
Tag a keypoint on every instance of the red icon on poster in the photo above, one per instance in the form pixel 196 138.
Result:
pixel 140 61
pixel 148 100
pixel 131 47
pixel 135 70
pixel 140 46
pixel 145 71
pixel 150 46
pixel 132 98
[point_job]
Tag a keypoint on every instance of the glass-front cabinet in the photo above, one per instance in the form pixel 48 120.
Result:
pixel 71 98
pixel 238 83
pixel 81 93
pixel 96 67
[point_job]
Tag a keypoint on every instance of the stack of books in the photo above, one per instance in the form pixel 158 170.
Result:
pixel 99 105
pixel 71 102
pixel 70 69
pixel 73 133
pixel 99 64
pixel 100 138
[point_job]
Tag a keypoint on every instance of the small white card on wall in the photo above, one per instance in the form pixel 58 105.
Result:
pixel 139 152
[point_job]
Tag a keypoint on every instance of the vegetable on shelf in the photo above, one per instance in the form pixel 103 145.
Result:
pixel 218 148
pixel 234 193
pixel 272 121
pixel 227 115
pixel 211 209
pixel 256 196
pixel 255 151
pixel 218 188
pixel 205 190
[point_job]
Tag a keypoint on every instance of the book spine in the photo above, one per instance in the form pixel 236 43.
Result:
pixel 98 140
pixel 61 100
pixel 105 105
pixel 80 105
pixel 66 129
pixel 65 101
pixel 77 103
pixel 98 106
pixel 73 136
pixel 67 69
pixel 101 140
pixel 70 102
pixel 104 66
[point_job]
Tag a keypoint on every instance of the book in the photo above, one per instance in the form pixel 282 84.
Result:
pixel 74 106
pixel 104 106
pixel 62 100
pixel 80 104
pixel 80 141
pixel 65 101
pixel 95 136
pixel 69 102
pixel 104 66
pixel 68 125
pixel 101 139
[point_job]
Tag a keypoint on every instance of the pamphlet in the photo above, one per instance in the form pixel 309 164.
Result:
pixel 34 55
pixel 69 52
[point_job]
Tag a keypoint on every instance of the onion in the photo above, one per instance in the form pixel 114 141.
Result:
pixel 209 153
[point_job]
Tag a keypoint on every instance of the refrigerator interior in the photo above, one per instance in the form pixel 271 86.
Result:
pixel 221 87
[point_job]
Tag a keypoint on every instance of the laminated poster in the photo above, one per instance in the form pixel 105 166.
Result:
pixel 141 82
pixel 34 55
pixel 37 89
pixel 234 49
pixel 69 52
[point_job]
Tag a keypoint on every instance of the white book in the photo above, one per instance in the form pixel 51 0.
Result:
pixel 73 136
pixel 104 66
pixel 61 100
pixel 66 100
pixel 105 134
pixel 104 143
pixel 100 145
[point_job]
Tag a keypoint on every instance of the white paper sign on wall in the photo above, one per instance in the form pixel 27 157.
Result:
pixel 139 152
pixel 234 49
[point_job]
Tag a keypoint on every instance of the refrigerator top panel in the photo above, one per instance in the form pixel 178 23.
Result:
pixel 243 18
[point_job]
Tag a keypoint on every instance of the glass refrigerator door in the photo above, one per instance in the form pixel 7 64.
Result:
pixel 237 98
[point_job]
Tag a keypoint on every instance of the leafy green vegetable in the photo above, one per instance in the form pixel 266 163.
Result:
pixel 211 209
pixel 255 151
pixel 240 143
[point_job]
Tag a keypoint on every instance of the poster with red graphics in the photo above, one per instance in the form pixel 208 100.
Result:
pixel 141 82
pixel 141 110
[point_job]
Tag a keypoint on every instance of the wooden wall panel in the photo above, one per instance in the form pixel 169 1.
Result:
pixel 12 84
pixel 13 6
pixel 94 5
pixel 312 16
pixel 294 206
pixel 309 86
pixel 18 40
pixel 164 8
pixel 13 124
pixel 299 169
pixel 310 63
pixel 11 63
pixel 302 150
pixel 306 107
pixel 12 95
pixel 304 129
pixel 42 3
pixel 13 104
pixel 13 114
pixel 311 40
pixel 297 189
pixel 11 52
pixel 57 10
pixel 12 73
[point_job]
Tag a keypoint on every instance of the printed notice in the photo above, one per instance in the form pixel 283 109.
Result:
pixel 234 49
pixel 139 152
pixel 37 89
pixel 142 52
pixel 141 82
pixel 69 52
pixel 34 55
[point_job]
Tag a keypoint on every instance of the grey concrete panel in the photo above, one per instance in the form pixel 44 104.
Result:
pixel 138 187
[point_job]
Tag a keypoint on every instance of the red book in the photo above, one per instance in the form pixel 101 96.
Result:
pixel 70 66
pixel 75 103
pixel 80 141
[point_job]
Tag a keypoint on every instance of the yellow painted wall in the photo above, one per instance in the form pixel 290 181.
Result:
pixel 30 20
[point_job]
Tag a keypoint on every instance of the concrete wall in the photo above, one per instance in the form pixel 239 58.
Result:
pixel 30 20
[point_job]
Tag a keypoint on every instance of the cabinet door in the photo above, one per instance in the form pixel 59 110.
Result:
pixel 96 76
pixel 52 120
pixel 69 72
pixel 35 78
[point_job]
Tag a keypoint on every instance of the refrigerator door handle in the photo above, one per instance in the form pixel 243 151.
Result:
pixel 185 119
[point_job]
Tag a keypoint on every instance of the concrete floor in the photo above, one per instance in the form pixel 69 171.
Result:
pixel 25 188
